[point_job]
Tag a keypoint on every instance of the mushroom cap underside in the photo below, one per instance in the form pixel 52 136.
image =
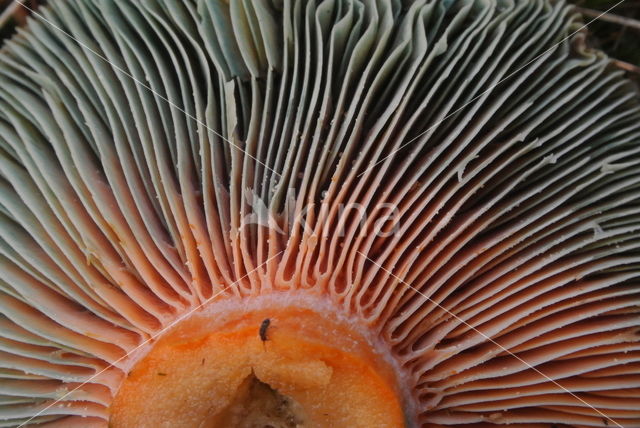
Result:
pixel 456 181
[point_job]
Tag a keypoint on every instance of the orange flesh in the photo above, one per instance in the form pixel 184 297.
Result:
pixel 320 373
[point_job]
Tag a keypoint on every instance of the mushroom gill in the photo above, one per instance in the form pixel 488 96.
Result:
pixel 347 213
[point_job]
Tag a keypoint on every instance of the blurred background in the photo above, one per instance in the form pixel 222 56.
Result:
pixel 617 32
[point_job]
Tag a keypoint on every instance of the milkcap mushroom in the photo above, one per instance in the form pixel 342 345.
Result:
pixel 435 205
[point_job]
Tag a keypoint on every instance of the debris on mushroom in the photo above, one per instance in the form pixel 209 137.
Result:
pixel 428 211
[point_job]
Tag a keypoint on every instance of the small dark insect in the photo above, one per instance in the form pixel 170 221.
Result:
pixel 161 374
pixel 606 422
pixel 263 330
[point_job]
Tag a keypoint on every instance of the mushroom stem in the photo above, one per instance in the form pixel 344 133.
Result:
pixel 311 371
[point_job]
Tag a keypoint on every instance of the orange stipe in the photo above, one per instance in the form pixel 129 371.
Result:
pixel 195 377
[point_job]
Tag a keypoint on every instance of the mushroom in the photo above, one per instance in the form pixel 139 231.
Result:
pixel 346 213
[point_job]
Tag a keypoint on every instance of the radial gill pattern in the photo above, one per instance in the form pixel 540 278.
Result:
pixel 460 177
